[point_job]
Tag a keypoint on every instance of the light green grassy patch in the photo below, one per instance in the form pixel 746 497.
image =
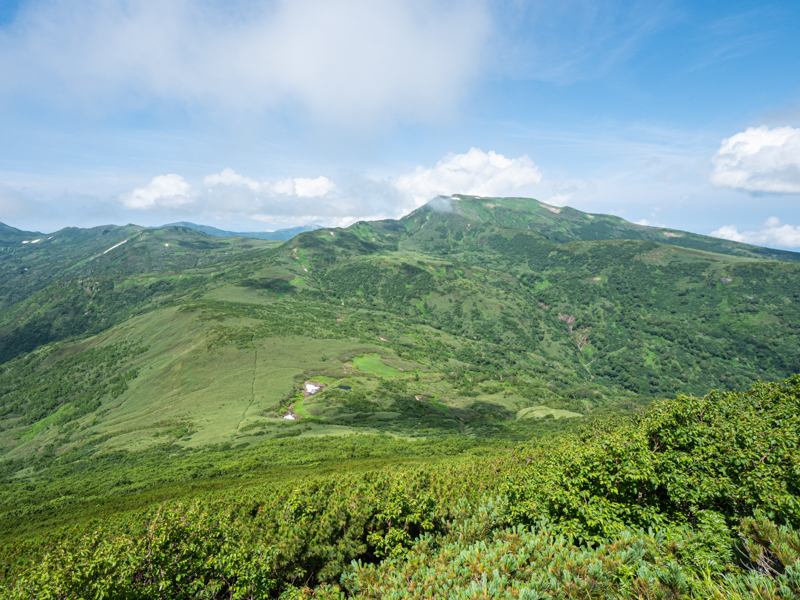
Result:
pixel 373 365
pixel 541 411
pixel 53 418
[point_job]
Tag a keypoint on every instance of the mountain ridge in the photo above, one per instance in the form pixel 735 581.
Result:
pixel 584 225
pixel 275 235
pixel 505 310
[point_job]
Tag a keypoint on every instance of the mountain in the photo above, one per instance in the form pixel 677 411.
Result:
pixel 76 281
pixel 469 314
pixel 278 234
pixel 10 235
pixel 177 406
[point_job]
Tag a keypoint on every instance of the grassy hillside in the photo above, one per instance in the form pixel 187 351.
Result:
pixel 469 315
pixel 79 281
pixel 141 365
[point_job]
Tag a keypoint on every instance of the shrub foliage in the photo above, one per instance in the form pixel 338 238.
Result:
pixel 697 497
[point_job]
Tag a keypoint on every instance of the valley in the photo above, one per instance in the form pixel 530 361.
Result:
pixel 151 365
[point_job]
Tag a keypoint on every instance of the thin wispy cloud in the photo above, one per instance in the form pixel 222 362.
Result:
pixel 600 36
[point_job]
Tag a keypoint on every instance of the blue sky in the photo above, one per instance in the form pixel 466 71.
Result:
pixel 249 114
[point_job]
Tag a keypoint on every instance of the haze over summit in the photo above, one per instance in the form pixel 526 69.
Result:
pixel 264 115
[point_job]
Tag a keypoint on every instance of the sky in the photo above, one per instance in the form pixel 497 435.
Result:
pixel 256 115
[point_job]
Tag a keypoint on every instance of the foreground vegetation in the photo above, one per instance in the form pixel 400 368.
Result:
pixel 697 497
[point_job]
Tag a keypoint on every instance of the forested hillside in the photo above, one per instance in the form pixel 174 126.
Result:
pixel 479 383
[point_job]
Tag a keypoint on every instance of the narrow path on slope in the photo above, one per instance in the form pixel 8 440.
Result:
pixel 252 391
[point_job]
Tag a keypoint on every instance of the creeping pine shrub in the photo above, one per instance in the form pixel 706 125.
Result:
pixel 698 498
pixel 729 453
pixel 535 562
pixel 185 552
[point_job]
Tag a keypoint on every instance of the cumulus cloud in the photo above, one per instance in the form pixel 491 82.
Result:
pixel 229 177
pixel 474 172
pixel 319 199
pixel 301 187
pixel 350 60
pixel 230 196
pixel 304 187
pixel 163 191
pixel 729 232
pixel 760 159
pixel 771 233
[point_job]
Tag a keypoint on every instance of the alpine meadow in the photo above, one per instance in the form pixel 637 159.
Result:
pixel 378 359
pixel 194 416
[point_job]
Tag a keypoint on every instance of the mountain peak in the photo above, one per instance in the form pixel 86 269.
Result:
pixel 508 216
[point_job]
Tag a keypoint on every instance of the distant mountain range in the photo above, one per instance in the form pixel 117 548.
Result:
pixel 12 235
pixel 277 235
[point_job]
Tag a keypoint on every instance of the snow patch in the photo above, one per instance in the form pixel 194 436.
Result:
pixel 311 388
pixel 114 246
pixel 36 241
pixel 671 234
pixel 553 209
pixel 289 417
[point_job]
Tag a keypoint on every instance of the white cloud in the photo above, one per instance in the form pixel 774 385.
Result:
pixel 304 187
pixel 760 159
pixel 232 196
pixel 772 233
pixel 343 60
pixel 229 177
pixel 163 191
pixel 474 172
pixel 728 232
pixel 301 187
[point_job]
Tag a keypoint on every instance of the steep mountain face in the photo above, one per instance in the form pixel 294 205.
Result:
pixel 470 315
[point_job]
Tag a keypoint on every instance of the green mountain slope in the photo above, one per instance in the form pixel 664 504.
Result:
pixel 361 393
pixel 10 236
pixel 79 281
pixel 470 315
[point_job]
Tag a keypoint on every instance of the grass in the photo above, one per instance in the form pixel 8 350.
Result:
pixel 541 412
pixel 373 365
